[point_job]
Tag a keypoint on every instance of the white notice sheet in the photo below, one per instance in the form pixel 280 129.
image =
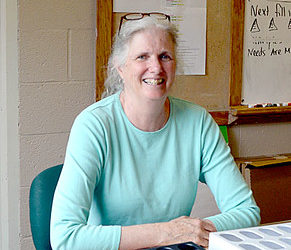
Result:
pixel 190 18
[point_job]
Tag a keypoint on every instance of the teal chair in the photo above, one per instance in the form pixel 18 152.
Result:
pixel 40 203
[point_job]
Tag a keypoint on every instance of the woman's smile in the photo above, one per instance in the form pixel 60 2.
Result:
pixel 150 68
pixel 154 82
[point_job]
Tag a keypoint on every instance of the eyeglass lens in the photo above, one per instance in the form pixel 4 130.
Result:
pixel 136 16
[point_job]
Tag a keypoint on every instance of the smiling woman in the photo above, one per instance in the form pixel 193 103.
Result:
pixel 147 75
pixel 134 159
pixel 120 48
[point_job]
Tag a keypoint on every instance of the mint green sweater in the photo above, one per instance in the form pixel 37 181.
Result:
pixel 115 175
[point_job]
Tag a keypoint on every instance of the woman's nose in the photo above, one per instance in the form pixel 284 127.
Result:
pixel 155 65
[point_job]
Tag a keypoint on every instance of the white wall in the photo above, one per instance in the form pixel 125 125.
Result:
pixel 56 82
pixel 9 140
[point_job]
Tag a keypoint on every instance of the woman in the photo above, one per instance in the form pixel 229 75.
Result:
pixel 134 159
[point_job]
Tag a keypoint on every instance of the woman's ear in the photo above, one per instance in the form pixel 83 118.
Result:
pixel 120 71
pixel 118 67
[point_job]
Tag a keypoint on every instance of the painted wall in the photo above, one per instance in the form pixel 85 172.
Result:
pixel 260 139
pixel 9 143
pixel 56 82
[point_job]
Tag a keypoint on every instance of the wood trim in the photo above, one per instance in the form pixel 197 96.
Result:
pixel 236 53
pixel 243 111
pixel 223 117
pixel 103 42
pixel 246 115
pixel 236 63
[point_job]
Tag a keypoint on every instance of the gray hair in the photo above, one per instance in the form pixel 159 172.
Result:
pixel 113 82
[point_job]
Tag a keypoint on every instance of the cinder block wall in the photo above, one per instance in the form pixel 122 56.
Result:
pixel 56 82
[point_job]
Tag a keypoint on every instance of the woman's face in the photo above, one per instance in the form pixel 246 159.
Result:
pixel 149 70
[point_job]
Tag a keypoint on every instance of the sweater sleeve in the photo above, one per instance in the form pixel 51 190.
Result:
pixel 220 172
pixel 85 156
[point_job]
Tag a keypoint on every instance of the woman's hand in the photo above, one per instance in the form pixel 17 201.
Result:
pixel 185 229
pixel 179 230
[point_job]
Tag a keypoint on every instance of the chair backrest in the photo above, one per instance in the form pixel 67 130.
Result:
pixel 40 203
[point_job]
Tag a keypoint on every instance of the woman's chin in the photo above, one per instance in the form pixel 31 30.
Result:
pixel 156 95
pixel 156 91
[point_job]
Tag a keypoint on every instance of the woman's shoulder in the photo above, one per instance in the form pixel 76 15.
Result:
pixel 102 107
pixel 102 104
pixel 186 106
pixel 101 110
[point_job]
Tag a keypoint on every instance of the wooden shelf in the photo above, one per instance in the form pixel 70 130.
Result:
pixel 247 115
pixel 244 115
pixel 243 110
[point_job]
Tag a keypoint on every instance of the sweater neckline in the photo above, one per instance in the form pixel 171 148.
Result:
pixel 164 128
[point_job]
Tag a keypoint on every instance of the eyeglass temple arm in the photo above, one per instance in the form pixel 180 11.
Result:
pixel 120 23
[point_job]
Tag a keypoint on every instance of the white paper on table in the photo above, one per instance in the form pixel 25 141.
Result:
pixel 190 18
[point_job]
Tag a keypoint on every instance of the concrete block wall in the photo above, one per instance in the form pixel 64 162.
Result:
pixel 56 81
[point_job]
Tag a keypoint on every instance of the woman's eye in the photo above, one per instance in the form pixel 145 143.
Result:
pixel 141 57
pixel 165 57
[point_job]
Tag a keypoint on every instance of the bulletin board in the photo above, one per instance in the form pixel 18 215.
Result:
pixel 267 52
pixel 220 89
pixel 242 24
